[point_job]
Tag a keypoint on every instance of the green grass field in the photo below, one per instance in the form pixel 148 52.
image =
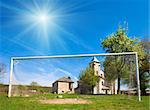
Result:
pixel 99 102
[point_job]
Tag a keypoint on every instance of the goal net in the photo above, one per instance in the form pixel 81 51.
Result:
pixel 101 74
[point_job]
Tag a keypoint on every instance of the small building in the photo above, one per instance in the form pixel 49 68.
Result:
pixel 148 91
pixel 63 85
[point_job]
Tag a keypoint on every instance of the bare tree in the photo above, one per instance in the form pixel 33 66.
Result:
pixel 2 71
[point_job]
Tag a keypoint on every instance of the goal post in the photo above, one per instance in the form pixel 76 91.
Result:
pixel 75 56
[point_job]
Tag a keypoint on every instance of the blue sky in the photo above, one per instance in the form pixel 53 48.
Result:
pixel 72 27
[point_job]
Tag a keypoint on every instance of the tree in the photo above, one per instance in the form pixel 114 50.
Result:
pixel 116 68
pixel 2 71
pixel 144 69
pixel 33 83
pixel 88 80
pixel 119 42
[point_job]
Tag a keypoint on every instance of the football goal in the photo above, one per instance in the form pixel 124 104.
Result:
pixel 106 73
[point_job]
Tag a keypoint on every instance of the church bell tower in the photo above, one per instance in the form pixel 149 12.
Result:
pixel 95 64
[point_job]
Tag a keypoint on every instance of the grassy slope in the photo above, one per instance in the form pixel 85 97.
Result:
pixel 112 102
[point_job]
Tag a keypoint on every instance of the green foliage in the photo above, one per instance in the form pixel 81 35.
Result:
pixel 119 42
pixel 88 80
pixel 114 67
pixel 33 83
pixel 44 89
pixel 23 87
pixel 144 69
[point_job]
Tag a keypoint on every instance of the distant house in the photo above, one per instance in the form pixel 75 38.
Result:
pixel 148 91
pixel 129 91
pixel 63 85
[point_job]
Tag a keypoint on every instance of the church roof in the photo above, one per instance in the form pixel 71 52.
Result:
pixel 95 60
pixel 64 79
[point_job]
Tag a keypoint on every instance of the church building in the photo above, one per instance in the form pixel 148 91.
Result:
pixel 102 87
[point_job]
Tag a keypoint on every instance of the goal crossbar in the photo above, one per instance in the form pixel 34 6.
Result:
pixel 72 56
pixel 75 56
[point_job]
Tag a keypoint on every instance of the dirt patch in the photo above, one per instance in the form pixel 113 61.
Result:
pixel 65 101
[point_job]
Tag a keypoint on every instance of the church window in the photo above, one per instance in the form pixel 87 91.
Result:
pixel 102 83
pixel 97 72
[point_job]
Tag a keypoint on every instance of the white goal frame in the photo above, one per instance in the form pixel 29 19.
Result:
pixel 75 56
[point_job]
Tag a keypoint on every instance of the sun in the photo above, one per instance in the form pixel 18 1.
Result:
pixel 42 18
